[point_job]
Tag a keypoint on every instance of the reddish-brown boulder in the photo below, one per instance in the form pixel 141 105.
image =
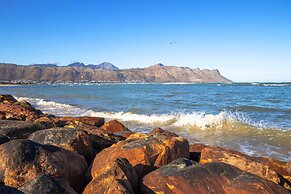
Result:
pixel 67 138
pixel 18 112
pixel 145 152
pixel 46 122
pixel 195 151
pixel 113 126
pixel 6 98
pixel 94 121
pixel 243 162
pixel 183 176
pixel 18 129
pixel 118 177
pixel 23 160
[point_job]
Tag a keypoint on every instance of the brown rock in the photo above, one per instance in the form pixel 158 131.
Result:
pixel 2 115
pixel 46 184
pixel 144 152
pixel 118 177
pixel 183 176
pixel 69 139
pixel 113 126
pixel 94 121
pixel 18 112
pixel 243 162
pixel 18 129
pixel 6 98
pixel 46 122
pixel 195 151
pixel 23 160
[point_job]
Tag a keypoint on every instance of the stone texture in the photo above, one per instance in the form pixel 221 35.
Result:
pixel 243 162
pixel 46 184
pixel 18 129
pixel 21 161
pixel 94 121
pixel 118 177
pixel 67 138
pixel 113 126
pixel 6 98
pixel 183 176
pixel 9 190
pixel 3 139
pixel 145 152
pixel 195 151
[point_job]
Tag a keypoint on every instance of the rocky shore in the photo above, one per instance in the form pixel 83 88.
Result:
pixel 41 153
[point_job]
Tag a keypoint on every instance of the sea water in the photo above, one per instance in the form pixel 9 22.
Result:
pixel 254 118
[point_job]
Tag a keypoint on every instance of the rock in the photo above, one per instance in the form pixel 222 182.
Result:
pixel 46 184
pixel 183 176
pixel 113 126
pixel 18 112
pixel 94 121
pixel 46 122
pixel 125 134
pixel 24 160
pixel 23 103
pixel 69 139
pixel 9 190
pixel 243 162
pixel 18 129
pixel 195 151
pixel 2 115
pixel 145 152
pixel 3 139
pixel 6 98
pixel 118 177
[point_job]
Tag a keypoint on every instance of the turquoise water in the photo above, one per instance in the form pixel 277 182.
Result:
pixel 252 117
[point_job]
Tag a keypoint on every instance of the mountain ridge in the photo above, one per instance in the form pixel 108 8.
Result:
pixel 80 72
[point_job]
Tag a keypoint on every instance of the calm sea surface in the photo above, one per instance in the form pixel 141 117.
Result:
pixel 252 118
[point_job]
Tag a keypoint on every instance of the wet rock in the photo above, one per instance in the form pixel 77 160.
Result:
pixel 113 126
pixel 24 160
pixel 145 152
pixel 3 139
pixel 243 162
pixel 18 112
pixel 18 129
pixel 6 98
pixel 23 103
pixel 46 184
pixel 46 122
pixel 195 151
pixel 94 121
pixel 183 176
pixel 67 138
pixel 9 190
pixel 118 177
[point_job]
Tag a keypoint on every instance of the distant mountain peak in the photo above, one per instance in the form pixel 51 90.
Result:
pixel 76 64
pixel 107 65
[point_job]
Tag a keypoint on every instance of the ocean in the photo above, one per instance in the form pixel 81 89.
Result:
pixel 254 118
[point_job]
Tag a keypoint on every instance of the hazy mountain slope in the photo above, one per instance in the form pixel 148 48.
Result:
pixel 156 73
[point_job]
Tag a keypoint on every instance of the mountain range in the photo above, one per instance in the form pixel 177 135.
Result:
pixel 106 72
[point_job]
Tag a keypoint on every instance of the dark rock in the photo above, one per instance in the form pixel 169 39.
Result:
pixel 24 160
pixel 70 139
pixel 46 184
pixel 9 190
pixel 183 176
pixel 244 162
pixel 7 98
pixel 3 139
pixel 195 151
pixel 18 129
pixel 119 177
pixel 144 152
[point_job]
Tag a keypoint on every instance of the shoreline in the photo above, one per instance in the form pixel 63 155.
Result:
pixel 145 162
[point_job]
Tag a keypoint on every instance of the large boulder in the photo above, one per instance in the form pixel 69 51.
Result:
pixel 24 160
pixel 243 162
pixel 145 152
pixel 184 176
pixel 18 129
pixel 63 121
pixel 67 138
pixel 46 184
pixel 19 112
pixel 114 126
pixel 118 177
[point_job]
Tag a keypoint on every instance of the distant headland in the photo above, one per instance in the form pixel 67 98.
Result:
pixel 105 72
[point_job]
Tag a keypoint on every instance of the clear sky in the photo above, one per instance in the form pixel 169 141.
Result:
pixel 247 40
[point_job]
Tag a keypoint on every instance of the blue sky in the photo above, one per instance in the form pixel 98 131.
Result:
pixel 247 40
